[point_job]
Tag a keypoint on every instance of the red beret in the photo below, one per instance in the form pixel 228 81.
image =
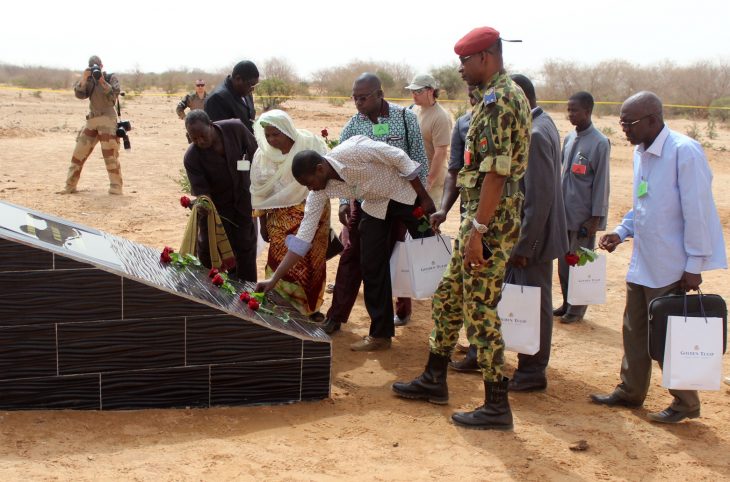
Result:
pixel 476 41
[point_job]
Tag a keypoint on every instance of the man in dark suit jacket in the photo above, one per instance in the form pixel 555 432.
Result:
pixel 543 235
pixel 542 239
pixel 233 98
pixel 218 164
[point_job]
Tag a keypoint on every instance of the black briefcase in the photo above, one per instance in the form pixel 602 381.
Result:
pixel 701 305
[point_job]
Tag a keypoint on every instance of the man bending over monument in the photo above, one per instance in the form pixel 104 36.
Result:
pixel 386 179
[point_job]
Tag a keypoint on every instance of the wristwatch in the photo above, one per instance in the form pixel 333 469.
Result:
pixel 481 228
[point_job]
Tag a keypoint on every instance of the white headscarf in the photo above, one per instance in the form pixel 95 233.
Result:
pixel 272 183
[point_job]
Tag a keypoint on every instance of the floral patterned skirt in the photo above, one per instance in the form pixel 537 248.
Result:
pixel 304 285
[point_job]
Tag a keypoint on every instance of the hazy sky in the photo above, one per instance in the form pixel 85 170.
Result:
pixel 158 35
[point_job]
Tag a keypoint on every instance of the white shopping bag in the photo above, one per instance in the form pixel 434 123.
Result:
pixel 587 283
pixel 519 311
pixel 417 265
pixel 400 274
pixel 427 261
pixel 693 353
pixel 260 243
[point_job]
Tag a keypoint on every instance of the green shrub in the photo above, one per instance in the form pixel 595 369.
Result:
pixel 183 181
pixel 693 131
pixel 721 114
pixel 273 93
pixel 608 131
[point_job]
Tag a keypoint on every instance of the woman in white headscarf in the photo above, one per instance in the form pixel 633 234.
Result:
pixel 278 200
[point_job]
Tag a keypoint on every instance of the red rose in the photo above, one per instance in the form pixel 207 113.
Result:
pixel 253 304
pixel 572 259
pixel 245 297
pixel 212 272
pixel 165 255
pixel 185 202
pixel 325 133
pixel 218 280
pixel 419 212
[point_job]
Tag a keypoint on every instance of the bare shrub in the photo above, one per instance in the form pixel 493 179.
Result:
pixel 337 81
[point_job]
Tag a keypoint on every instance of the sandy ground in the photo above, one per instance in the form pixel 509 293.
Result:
pixel 363 431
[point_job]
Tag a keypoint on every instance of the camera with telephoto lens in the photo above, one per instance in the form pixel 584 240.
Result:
pixel 122 128
pixel 95 71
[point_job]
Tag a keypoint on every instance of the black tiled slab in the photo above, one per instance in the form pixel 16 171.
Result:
pixel 62 262
pixel 168 388
pixel 316 378
pixel 50 393
pixel 142 301
pixel 227 339
pixel 314 349
pixel 52 296
pixel 120 345
pixel 255 383
pixel 27 351
pixel 15 256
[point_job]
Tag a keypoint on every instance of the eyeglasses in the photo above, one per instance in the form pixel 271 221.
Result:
pixel 199 85
pixel 629 124
pixel 465 58
pixel 363 98
pixel 418 91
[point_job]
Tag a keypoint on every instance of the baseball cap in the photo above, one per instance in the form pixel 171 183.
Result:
pixel 422 80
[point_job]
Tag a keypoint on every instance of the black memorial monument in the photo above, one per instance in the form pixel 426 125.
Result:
pixel 89 320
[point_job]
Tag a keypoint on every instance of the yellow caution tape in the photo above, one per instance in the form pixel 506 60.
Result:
pixel 339 97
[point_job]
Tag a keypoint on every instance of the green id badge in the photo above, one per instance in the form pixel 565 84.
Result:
pixel 643 189
pixel 381 129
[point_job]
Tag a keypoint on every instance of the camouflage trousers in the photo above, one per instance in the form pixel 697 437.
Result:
pixel 102 130
pixel 468 296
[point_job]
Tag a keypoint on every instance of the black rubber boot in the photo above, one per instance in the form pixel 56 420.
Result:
pixel 468 363
pixel 495 414
pixel 430 385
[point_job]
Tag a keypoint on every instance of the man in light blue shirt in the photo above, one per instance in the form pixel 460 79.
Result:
pixel 677 235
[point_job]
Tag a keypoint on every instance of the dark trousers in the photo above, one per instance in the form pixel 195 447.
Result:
pixel 375 250
pixel 574 243
pixel 349 273
pixel 636 363
pixel 242 238
pixel 532 367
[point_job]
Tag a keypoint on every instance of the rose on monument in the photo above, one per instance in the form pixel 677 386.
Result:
pixel 254 301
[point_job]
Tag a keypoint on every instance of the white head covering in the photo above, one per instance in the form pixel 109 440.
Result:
pixel 272 183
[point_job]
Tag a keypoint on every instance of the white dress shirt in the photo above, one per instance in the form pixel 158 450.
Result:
pixel 675 225
pixel 370 170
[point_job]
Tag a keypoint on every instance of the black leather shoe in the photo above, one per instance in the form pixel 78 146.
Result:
pixel 534 385
pixel 330 326
pixel 614 400
pixel 670 415
pixel 570 318
pixel 468 363
pixel 560 311
pixel 398 321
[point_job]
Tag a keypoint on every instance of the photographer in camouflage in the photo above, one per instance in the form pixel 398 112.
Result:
pixel 102 90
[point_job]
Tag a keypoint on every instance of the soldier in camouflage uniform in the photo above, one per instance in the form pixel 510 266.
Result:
pixel 101 126
pixel 495 159
pixel 193 100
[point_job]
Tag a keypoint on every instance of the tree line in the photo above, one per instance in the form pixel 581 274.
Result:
pixel 702 83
